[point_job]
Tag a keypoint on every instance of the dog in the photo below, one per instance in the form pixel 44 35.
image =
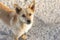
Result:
pixel 19 20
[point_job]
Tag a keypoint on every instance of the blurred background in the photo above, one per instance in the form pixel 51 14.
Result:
pixel 46 24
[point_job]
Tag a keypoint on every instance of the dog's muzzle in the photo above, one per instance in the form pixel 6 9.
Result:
pixel 28 21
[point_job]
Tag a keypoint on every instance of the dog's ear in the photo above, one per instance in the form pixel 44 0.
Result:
pixel 32 5
pixel 17 8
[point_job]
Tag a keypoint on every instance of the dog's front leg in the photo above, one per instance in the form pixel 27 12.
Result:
pixel 24 37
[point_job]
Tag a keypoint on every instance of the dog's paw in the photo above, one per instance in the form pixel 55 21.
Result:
pixel 24 37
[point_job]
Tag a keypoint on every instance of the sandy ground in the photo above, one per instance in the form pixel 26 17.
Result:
pixel 46 24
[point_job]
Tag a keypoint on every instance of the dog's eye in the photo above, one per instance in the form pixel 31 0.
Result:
pixel 23 15
pixel 30 14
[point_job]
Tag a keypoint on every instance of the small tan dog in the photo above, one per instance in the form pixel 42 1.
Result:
pixel 19 20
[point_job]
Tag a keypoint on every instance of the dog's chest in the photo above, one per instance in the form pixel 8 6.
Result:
pixel 27 27
pixel 19 29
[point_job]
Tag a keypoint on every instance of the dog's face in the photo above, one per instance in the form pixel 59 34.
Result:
pixel 25 15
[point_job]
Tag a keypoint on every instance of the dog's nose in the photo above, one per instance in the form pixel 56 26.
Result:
pixel 28 21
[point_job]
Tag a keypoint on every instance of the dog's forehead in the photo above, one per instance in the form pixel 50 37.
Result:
pixel 27 10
